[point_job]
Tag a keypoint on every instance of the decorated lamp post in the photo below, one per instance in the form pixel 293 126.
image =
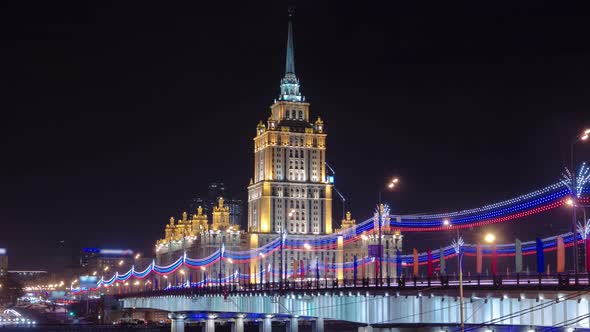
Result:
pixel 575 184
pixel 458 246
pixel 391 185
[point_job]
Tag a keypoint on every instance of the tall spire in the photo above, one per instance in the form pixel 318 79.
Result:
pixel 290 63
pixel 290 83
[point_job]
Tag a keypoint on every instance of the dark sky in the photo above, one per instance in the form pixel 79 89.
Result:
pixel 115 115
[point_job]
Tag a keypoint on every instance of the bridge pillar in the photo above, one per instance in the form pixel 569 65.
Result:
pixel 177 321
pixel 293 324
pixel 266 325
pixel 238 324
pixel 317 325
pixel 210 323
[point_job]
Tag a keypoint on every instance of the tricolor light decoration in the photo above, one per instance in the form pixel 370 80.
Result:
pixel 504 250
pixel 578 185
pixel 525 205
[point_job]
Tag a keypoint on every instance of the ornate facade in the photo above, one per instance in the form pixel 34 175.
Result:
pixel 289 195
pixel 198 238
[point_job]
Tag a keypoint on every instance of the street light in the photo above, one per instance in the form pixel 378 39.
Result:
pixel 490 238
pixel 447 222
pixel 583 137
pixel 391 185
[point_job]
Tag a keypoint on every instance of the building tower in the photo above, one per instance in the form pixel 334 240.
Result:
pixel 289 192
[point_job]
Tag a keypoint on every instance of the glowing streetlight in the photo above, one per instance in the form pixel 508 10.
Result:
pixel 106 268
pixel 182 272
pixel 165 277
pixel 307 246
pixel 582 137
pixel 137 256
pixel 364 237
pixel 94 273
pixel 446 222
pixel 394 181
pixel 490 238
pixel 569 202
pixel 202 268
pixel 121 262
pixel 229 260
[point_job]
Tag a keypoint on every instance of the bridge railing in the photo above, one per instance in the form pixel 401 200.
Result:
pixel 513 281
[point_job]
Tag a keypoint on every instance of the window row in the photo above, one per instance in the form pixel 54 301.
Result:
pixel 294 115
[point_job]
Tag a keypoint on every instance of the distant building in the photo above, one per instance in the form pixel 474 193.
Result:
pixel 215 191
pixel 197 202
pixel 235 211
pixel 102 261
pixel 3 262
pixel 28 277
pixel 66 256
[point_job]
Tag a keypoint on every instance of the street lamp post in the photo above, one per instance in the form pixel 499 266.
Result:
pixel 390 186
pixel 582 138
pixel 447 222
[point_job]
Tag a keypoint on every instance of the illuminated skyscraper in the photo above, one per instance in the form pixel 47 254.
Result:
pixel 289 190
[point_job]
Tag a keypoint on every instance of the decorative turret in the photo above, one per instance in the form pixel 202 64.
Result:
pixel 260 128
pixel 220 216
pixel 200 222
pixel 169 231
pixel 319 125
pixel 272 124
pixel 347 223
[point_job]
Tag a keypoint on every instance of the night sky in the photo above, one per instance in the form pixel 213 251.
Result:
pixel 114 116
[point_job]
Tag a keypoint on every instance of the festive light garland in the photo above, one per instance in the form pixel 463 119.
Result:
pixel 503 250
pixel 525 205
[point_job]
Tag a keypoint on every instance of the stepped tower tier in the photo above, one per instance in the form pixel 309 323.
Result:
pixel 289 192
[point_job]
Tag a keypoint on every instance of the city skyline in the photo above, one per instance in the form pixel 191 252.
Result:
pixel 441 167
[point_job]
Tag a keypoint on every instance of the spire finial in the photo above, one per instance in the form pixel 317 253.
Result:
pixel 290 83
pixel 290 61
